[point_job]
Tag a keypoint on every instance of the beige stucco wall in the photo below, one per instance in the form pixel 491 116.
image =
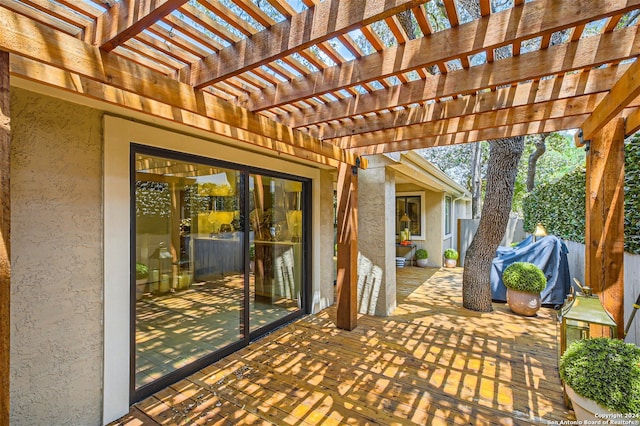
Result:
pixel 376 241
pixel 435 228
pixel 324 295
pixel 56 255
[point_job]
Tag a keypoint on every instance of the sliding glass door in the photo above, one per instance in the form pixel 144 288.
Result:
pixel 276 243
pixel 206 279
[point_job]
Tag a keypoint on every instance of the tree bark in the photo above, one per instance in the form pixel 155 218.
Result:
pixel 501 177
pixel 539 141
pixel 476 179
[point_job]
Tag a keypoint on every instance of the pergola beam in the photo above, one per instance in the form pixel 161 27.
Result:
pixel 347 235
pixel 5 237
pixel 588 52
pixel 535 127
pixel 321 153
pixel 632 122
pixel 570 85
pixel 604 230
pixel 128 18
pixel 476 122
pixel 622 92
pixel 528 21
pixel 323 22
pixel 29 39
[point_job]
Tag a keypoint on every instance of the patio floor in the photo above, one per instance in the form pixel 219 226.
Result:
pixel 432 362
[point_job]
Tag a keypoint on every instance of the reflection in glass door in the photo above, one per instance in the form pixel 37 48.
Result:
pixel 207 280
pixel 276 241
pixel 190 284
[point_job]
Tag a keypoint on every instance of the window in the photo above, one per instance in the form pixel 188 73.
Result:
pixel 447 215
pixel 409 213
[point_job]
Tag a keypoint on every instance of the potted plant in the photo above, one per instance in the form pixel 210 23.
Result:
pixel 422 258
pixel 602 378
pixel 450 258
pixel 142 275
pixel 524 282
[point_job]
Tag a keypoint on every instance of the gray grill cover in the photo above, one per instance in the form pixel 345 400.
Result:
pixel 549 254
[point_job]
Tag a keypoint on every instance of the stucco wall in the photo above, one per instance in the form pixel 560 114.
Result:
pixel 324 295
pixel 56 285
pixel 435 227
pixel 376 241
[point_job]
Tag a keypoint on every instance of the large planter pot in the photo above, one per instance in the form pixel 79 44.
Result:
pixel 521 303
pixel 450 263
pixel 587 409
pixel 141 287
pixel 422 262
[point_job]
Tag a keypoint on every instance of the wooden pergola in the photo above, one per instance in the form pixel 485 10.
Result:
pixel 317 81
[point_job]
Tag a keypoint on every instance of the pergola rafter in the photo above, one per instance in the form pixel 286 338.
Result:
pixel 308 28
pixel 30 41
pixel 505 131
pixel 583 54
pixel 484 120
pixel 489 32
pixel 127 18
pixel 554 88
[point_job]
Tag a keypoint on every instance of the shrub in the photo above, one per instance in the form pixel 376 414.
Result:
pixel 604 370
pixel 142 271
pixel 561 205
pixel 422 254
pixel 525 277
pixel 450 254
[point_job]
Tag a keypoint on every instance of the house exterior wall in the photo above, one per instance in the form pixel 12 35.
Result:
pixel 59 314
pixel 56 282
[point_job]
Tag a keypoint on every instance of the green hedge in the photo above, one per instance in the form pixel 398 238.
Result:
pixel 560 206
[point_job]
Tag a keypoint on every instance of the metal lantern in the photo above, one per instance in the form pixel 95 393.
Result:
pixel 579 314
pixel 576 317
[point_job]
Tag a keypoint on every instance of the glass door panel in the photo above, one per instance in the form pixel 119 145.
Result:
pixel 275 250
pixel 189 252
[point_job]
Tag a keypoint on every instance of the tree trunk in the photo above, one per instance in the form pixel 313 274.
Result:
pixel 476 179
pixel 538 140
pixel 501 177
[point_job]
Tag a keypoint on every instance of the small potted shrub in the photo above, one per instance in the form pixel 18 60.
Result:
pixel 524 282
pixel 602 378
pixel 450 258
pixel 422 258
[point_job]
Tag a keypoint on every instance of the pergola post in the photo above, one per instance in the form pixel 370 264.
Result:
pixel 5 242
pixel 604 231
pixel 347 280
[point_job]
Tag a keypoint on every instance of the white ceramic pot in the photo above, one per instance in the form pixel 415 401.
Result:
pixel 521 303
pixel 422 262
pixel 450 263
pixel 590 412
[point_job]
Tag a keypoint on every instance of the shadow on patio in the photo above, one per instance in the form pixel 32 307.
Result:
pixel 432 362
